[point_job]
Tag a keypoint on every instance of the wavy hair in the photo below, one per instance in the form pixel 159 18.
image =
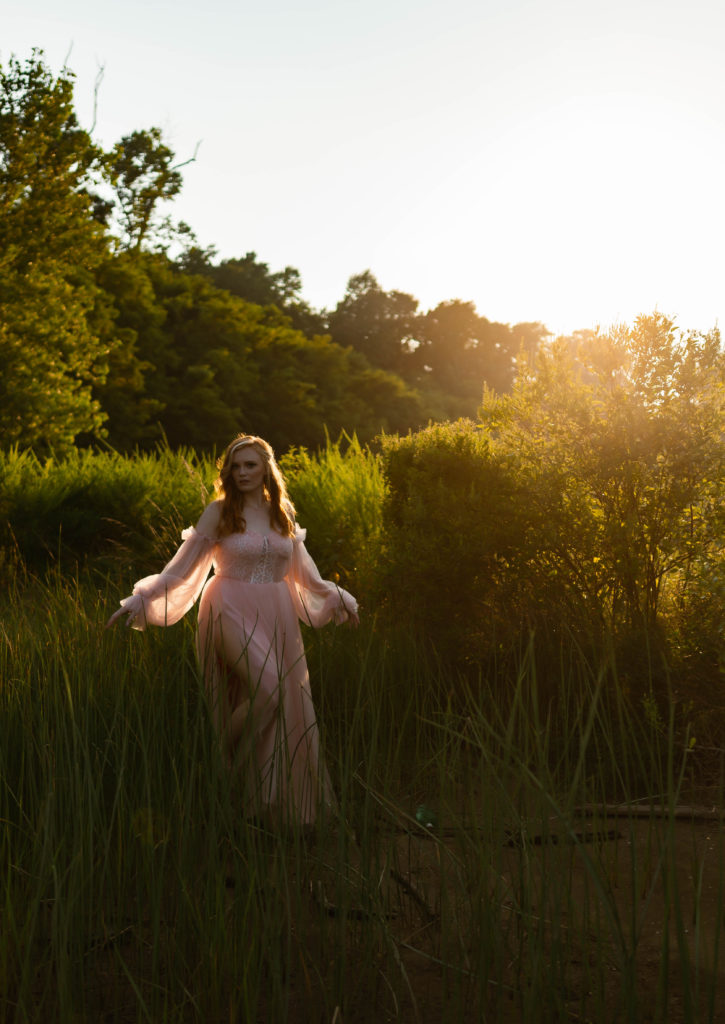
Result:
pixel 282 512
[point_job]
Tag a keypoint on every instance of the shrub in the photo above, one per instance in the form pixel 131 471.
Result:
pixel 463 536
pixel 586 504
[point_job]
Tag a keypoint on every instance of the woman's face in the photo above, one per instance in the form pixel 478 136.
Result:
pixel 247 469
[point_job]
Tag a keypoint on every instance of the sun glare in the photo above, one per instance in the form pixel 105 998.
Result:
pixel 586 214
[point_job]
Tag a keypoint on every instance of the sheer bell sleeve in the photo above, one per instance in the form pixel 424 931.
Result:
pixel 163 599
pixel 316 601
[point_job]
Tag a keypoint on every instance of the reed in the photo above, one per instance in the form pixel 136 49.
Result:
pixel 133 890
pixel 121 511
pixel 126 512
pixel 339 494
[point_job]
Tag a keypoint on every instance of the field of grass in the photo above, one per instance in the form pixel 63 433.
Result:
pixel 564 865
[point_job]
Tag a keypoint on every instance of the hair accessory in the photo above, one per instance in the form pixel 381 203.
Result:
pixel 240 444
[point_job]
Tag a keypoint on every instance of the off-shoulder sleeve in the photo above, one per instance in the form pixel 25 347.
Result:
pixel 163 599
pixel 316 601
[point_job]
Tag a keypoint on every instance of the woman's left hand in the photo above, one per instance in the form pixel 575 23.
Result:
pixel 130 608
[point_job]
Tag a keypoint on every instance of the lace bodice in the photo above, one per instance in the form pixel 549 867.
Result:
pixel 253 557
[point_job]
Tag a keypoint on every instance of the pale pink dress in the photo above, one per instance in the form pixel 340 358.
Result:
pixel 249 641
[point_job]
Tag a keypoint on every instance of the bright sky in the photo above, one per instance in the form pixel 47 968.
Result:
pixel 553 160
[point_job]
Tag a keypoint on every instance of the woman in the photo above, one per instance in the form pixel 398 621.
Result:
pixel 248 636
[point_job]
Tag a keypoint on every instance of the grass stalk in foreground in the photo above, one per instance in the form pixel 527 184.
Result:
pixel 134 891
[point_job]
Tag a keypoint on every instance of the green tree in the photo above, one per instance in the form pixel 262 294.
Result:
pixel 587 503
pixel 460 351
pixel 50 243
pixel 199 364
pixel 312 384
pixel 142 171
pixel 131 323
pixel 379 324
pixel 630 425
pixel 197 340
pixel 447 353
pixel 250 279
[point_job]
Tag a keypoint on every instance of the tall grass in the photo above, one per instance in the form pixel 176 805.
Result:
pixel 113 508
pixel 339 496
pixel 126 512
pixel 132 890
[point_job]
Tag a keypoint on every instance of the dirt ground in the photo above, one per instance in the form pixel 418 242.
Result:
pixel 611 929
pixel 598 925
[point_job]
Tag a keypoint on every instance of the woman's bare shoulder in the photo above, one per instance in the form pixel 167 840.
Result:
pixel 210 518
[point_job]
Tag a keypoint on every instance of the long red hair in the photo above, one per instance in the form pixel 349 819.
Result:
pixel 281 511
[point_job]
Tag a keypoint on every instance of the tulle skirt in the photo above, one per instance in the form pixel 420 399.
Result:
pixel 250 648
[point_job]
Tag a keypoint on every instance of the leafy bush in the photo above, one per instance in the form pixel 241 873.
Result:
pixel 586 504
pixel 463 539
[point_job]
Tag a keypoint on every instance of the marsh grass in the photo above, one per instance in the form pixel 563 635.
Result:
pixel 112 508
pixel 125 513
pixel 339 493
pixel 559 882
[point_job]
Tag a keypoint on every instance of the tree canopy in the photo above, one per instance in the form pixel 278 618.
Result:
pixel 141 169
pixel 50 247
pixel 104 337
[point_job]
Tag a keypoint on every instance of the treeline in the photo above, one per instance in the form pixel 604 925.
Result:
pixel 116 326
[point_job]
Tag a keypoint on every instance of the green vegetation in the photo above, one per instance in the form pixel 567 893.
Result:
pixel 339 495
pixel 584 508
pixel 501 678
pixel 132 890
pixel 587 504
pixel 50 246
pixel 526 734
pixel 118 511
pixel 126 514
